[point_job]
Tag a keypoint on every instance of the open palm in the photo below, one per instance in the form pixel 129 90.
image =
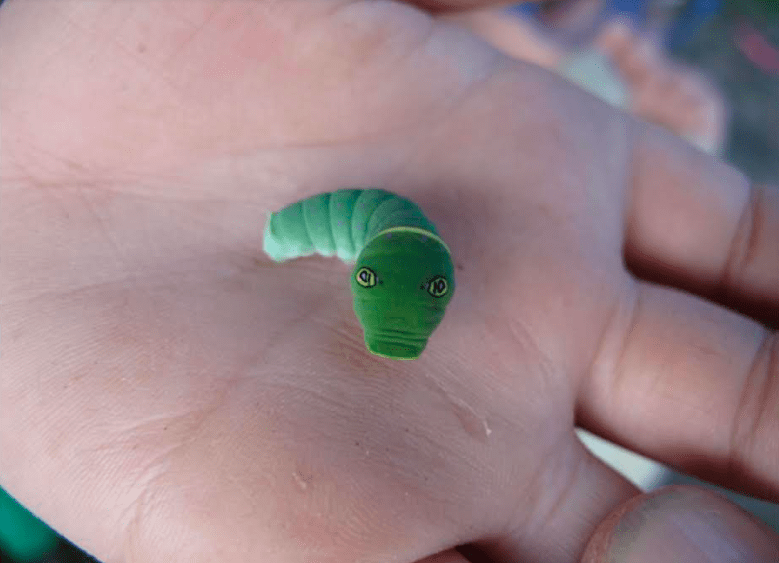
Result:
pixel 169 394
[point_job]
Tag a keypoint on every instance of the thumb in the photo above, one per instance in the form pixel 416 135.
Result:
pixel 681 523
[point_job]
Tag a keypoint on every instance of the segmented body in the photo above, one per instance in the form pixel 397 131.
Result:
pixel 339 223
pixel 403 277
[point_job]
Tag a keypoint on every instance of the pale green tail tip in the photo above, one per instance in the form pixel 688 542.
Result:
pixel 269 243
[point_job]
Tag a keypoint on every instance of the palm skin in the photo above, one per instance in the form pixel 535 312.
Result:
pixel 185 399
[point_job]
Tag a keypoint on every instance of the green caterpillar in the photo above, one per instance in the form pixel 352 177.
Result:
pixel 403 277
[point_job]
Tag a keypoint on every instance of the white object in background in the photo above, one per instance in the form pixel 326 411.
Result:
pixel 643 472
pixel 592 71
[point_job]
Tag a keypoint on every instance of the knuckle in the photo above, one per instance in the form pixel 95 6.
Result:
pixel 756 419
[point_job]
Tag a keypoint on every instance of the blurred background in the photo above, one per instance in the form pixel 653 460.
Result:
pixel 733 43
pixel 739 50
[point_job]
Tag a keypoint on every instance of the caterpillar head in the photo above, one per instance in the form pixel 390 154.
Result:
pixel 402 283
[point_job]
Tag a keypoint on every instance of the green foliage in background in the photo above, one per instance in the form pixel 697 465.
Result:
pixel 752 94
pixel 760 9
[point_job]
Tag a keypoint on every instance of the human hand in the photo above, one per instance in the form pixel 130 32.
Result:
pixel 169 394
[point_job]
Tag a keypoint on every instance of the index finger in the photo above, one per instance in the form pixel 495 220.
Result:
pixel 699 224
pixel 678 377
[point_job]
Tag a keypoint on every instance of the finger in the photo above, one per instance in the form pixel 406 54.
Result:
pixel 514 36
pixel 656 93
pixel 675 524
pixel 698 224
pixel 615 39
pixel 678 378
pixel 578 492
pixel 676 97
pixel 635 58
pixel 694 385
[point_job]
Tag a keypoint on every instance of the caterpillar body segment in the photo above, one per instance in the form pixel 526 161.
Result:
pixel 403 276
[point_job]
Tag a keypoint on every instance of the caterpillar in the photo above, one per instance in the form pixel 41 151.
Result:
pixel 403 276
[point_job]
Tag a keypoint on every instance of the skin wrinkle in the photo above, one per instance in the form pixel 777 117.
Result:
pixel 742 247
pixel 128 280
pixel 763 382
pixel 436 112
pixel 118 254
pixel 137 512
pixel 521 336
pixel 70 165
pixel 460 408
pixel 747 415
pixel 70 292
pixel 618 370
pixel 773 372
pixel 166 277
pixel 75 175
pixel 379 40
pixel 632 175
pixel 756 225
pixel 514 524
pixel 593 372
pixel 307 315
pixel 102 36
pixel 566 442
pixel 196 30
pixel 613 370
pixel 132 515
pixel 439 114
pixel 224 247
pixel 138 523
pixel 438 119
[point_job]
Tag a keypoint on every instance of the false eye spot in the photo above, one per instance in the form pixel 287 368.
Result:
pixel 438 286
pixel 365 277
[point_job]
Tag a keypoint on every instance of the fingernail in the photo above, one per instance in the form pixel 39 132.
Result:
pixel 694 526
